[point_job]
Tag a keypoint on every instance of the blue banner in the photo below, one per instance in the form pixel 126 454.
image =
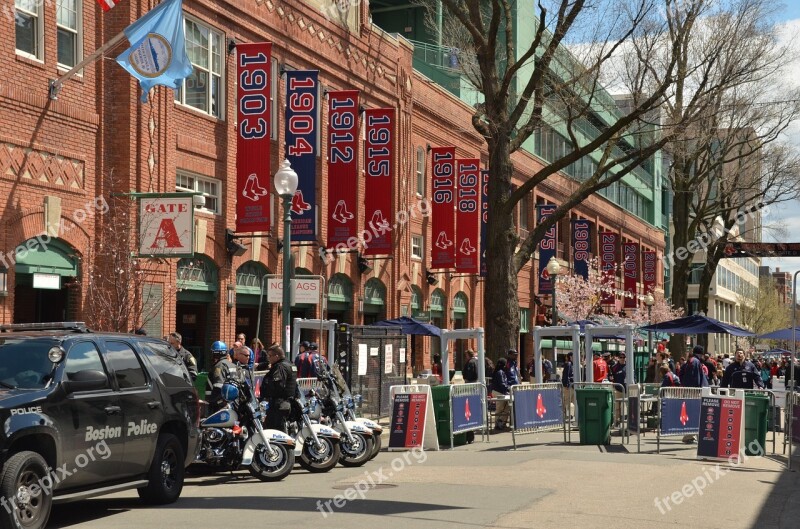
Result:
pixel 538 408
pixel 581 247
pixel 484 219
pixel 467 413
pixel 301 149
pixel 547 247
pixel 680 416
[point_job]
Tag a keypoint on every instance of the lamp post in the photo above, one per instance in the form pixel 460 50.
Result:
pixel 285 186
pixel 649 301
pixel 553 268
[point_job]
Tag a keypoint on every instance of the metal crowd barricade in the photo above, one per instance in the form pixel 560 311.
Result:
pixel 547 420
pixel 792 407
pixel 467 390
pixel 623 400
pixel 771 410
pixel 634 417
pixel 675 393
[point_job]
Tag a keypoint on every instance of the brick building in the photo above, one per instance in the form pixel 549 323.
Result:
pixel 60 160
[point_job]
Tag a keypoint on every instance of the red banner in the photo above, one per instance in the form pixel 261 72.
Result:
pixel 253 175
pixel 649 271
pixel 443 252
pixel 609 250
pixel 379 165
pixel 468 216
pixel 342 166
pixel 630 271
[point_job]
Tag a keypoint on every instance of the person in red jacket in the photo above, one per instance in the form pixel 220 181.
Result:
pixel 600 369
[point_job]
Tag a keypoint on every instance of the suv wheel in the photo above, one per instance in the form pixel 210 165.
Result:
pixel 166 472
pixel 29 504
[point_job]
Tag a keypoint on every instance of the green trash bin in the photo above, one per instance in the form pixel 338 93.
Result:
pixel 595 406
pixel 200 384
pixel 441 411
pixel 756 423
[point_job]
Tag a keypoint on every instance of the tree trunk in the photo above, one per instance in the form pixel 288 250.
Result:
pixel 681 259
pixel 713 256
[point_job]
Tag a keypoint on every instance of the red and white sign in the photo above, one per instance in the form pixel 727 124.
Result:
pixel 303 290
pixel 166 226
pixel 468 216
pixel 609 250
pixel 342 166
pixel 253 175
pixel 630 271
pixel 107 4
pixel 443 251
pixel 649 271
pixel 379 166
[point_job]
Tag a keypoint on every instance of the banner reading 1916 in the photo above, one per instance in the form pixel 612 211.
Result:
pixel 630 270
pixel 379 165
pixel 443 174
pixel 484 218
pixel 547 248
pixel 253 174
pixel 342 166
pixel 609 249
pixel 468 215
pixel 301 150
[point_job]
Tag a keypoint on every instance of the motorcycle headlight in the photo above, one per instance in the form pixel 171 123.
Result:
pixel 263 406
pixel 359 399
pixel 339 407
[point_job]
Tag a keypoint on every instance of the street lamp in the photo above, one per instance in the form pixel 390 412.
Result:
pixel 286 186
pixel 553 268
pixel 649 301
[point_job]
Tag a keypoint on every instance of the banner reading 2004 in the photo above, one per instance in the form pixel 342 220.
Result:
pixel 301 150
pixel 379 164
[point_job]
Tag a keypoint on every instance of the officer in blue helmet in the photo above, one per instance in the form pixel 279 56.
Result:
pixel 222 370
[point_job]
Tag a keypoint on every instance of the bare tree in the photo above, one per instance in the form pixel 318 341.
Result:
pixel 762 311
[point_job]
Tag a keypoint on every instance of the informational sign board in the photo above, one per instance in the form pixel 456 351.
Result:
pixel 303 290
pixel 388 365
pixel 413 424
pixel 166 226
pixel 362 359
pixel 680 416
pixel 722 426
pixel 538 408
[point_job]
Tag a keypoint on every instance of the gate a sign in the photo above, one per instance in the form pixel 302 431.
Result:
pixel 166 226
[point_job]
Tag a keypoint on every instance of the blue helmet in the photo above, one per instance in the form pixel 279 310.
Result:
pixel 219 347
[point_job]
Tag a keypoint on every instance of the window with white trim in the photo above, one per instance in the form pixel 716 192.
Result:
pixel 28 23
pixel 420 171
pixel 202 90
pixel 208 187
pixel 416 247
pixel 68 25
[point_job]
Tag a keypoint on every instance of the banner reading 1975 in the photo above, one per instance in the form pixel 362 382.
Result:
pixel 379 165
pixel 443 178
pixel 468 215
pixel 547 247
pixel 301 149
pixel 342 166
pixel 253 175
pixel 484 218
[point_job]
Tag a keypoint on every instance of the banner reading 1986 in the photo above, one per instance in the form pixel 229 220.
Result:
pixel 547 248
pixel 443 252
pixel 484 218
pixel 253 174
pixel 468 216
pixel 581 246
pixel 379 165
pixel 609 249
pixel 301 150
pixel 342 166
pixel 630 270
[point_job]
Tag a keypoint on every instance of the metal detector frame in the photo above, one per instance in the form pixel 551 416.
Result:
pixel 462 334
pixel 320 325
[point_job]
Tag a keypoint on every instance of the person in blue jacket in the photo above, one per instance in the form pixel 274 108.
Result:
pixel 500 387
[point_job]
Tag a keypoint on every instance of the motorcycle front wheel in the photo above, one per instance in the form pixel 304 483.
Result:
pixel 272 464
pixel 322 457
pixel 357 452
pixel 376 445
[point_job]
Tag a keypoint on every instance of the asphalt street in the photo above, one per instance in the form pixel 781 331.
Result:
pixel 545 483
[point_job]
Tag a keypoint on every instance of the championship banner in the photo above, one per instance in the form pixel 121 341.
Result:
pixel 547 247
pixel 443 252
pixel 484 219
pixel 342 166
pixel 379 164
pixel 609 249
pixel 581 246
pixel 301 150
pixel 468 215
pixel 253 173
pixel 649 270
pixel 630 271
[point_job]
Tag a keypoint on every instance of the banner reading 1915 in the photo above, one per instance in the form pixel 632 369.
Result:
pixel 468 215
pixel 484 218
pixel 547 248
pixel 630 270
pixel 443 177
pixel 301 149
pixel 342 166
pixel 253 174
pixel 379 165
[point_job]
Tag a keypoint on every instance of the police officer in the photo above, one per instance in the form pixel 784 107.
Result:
pixel 222 371
pixel 175 340
pixel 301 358
pixel 741 374
pixel 279 387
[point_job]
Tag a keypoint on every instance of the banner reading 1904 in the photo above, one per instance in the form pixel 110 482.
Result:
pixel 468 216
pixel 342 166
pixel 301 149
pixel 253 138
pixel 379 165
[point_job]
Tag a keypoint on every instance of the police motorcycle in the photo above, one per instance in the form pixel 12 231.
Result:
pixel 353 401
pixel 234 437
pixel 316 446
pixel 327 405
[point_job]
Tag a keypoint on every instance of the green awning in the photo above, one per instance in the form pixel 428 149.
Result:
pixel 54 257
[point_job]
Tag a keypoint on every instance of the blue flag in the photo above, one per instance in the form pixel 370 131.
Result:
pixel 158 52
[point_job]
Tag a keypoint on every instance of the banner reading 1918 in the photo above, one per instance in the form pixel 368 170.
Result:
pixel 253 175
pixel 484 218
pixel 609 249
pixel 301 149
pixel 342 166
pixel 468 215
pixel 649 267
pixel 443 172
pixel 379 165
pixel 581 246
pixel 630 271
pixel 547 247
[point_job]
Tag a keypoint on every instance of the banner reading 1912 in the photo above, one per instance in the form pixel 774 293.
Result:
pixel 301 149
pixel 630 270
pixel 379 165
pixel 443 174
pixel 468 215
pixel 342 166
pixel 547 247
pixel 484 218
pixel 253 174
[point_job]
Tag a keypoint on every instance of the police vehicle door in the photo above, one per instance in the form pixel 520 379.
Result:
pixel 91 424
pixel 141 406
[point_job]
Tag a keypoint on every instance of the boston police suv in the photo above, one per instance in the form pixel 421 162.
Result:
pixel 85 414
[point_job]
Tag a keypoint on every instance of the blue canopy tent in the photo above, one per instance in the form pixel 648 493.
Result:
pixel 697 324
pixel 414 327
pixel 780 334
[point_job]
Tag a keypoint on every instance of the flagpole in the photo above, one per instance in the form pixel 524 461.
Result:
pixel 56 85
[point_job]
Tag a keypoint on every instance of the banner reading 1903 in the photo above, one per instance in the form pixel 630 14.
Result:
pixel 253 174
pixel 443 178
pixel 468 216
pixel 379 165
pixel 342 166
pixel 301 150
pixel 547 247
pixel 484 218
